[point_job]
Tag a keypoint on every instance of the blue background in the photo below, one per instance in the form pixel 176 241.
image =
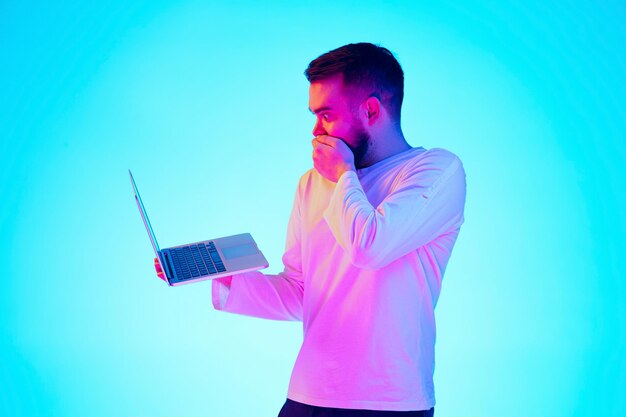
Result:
pixel 207 104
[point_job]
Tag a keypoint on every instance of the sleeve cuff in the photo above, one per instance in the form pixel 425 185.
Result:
pixel 349 175
pixel 220 288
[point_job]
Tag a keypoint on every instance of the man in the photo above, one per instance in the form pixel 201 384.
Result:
pixel 370 234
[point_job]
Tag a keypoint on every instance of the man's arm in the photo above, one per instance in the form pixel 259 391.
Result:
pixel 428 202
pixel 275 297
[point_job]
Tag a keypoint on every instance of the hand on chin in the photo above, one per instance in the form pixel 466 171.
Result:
pixel 332 157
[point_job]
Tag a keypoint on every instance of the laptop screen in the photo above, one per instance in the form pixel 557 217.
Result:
pixel 144 216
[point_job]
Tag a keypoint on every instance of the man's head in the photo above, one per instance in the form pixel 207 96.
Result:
pixel 355 89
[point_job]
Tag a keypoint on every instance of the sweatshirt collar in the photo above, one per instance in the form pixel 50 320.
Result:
pixel 391 159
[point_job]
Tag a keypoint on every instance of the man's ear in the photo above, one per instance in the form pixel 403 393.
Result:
pixel 372 110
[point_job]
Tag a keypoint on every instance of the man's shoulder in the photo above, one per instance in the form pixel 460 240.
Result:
pixel 306 177
pixel 436 154
pixel 432 163
pixel 309 173
pixel 309 179
pixel 434 157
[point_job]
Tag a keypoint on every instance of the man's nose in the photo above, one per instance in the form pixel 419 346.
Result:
pixel 318 129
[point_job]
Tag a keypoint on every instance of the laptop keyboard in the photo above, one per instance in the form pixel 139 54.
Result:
pixel 196 260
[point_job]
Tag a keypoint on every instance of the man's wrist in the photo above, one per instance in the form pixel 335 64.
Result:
pixel 347 168
pixel 342 171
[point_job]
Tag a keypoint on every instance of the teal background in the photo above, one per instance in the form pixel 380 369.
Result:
pixel 207 103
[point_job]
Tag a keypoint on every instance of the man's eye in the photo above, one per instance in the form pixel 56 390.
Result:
pixel 325 116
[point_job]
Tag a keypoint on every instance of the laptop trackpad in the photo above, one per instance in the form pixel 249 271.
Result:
pixel 233 252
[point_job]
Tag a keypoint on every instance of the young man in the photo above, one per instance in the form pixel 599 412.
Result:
pixel 370 234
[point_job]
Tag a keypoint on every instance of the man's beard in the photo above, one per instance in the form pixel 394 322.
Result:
pixel 359 150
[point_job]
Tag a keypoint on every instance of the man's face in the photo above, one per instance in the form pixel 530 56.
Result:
pixel 336 114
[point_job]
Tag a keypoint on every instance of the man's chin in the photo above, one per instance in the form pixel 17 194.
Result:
pixel 360 149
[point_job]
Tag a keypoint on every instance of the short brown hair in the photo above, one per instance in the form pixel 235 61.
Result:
pixel 369 68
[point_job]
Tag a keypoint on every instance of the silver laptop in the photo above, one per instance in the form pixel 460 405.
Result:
pixel 208 259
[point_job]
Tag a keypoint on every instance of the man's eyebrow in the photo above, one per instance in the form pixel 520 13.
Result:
pixel 319 109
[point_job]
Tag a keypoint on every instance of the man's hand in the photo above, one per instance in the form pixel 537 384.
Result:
pixel 332 157
pixel 159 271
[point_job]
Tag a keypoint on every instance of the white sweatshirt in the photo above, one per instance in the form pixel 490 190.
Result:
pixel 363 265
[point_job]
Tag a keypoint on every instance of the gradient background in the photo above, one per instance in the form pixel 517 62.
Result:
pixel 208 105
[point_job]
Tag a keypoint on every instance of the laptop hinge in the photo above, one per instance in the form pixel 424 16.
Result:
pixel 169 270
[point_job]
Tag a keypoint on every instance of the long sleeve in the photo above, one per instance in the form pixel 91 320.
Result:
pixel 274 297
pixel 428 201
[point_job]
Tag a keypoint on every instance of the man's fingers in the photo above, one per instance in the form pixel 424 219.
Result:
pixel 157 266
pixel 325 140
pixel 159 271
pixel 316 143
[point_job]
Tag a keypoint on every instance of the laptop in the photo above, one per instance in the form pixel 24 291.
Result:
pixel 208 259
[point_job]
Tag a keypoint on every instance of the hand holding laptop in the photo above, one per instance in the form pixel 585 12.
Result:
pixel 209 259
pixel 159 270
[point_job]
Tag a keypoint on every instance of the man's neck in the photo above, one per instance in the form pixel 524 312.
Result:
pixel 384 146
